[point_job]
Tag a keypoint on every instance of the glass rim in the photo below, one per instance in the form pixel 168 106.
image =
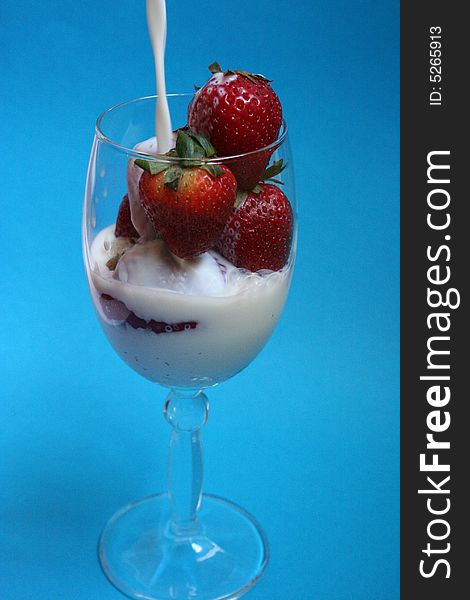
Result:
pixel 172 159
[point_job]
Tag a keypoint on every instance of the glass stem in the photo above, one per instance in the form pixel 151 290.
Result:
pixel 186 411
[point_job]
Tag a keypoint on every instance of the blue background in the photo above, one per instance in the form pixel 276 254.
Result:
pixel 307 437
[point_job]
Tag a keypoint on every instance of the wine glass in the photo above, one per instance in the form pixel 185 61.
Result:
pixel 180 544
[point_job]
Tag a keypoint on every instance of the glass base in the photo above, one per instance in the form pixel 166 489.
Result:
pixel 144 559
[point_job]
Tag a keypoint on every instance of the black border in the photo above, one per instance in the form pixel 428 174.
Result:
pixel 426 128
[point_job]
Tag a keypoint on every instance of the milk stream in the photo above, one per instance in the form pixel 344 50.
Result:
pixel 156 20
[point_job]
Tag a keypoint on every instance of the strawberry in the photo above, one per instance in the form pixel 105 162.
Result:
pixel 258 234
pixel 187 202
pixel 124 226
pixel 115 310
pixel 238 112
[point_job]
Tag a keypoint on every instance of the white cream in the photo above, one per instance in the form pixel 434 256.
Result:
pixel 235 311
pixel 151 264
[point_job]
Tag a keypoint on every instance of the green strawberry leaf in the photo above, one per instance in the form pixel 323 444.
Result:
pixel 188 146
pixel 204 142
pixel 215 68
pixel 253 77
pixel 151 166
pixel 172 178
pixel 214 170
pixel 277 167
pixel 240 199
pixel 257 189
pixel 193 145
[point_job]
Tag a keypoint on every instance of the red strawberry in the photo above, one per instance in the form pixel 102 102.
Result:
pixel 188 203
pixel 115 310
pixel 238 112
pixel 258 234
pixel 124 226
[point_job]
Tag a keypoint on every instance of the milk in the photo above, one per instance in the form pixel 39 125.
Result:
pixel 156 20
pixel 233 324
